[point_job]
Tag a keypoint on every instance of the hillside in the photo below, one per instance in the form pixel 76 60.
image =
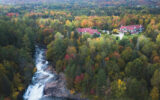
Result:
pixel 79 49
pixel 99 2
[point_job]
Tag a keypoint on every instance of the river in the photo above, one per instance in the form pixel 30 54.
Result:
pixel 40 78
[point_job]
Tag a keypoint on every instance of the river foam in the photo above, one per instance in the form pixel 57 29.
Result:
pixel 41 77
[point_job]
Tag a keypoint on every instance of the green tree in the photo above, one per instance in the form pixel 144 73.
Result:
pixel 56 50
pixel 118 88
pixel 5 86
pixel 137 89
pixel 27 43
pixel 70 75
pixel 85 83
pixel 135 68
pixel 101 81
pixel 58 35
pixel 155 81
pixel 59 66
pixel 148 48
pixel 155 93
pixel 158 39
pixel 127 54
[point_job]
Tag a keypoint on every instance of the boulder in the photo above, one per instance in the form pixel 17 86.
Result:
pixel 57 88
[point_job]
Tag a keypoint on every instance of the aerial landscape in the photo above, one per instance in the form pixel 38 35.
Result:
pixel 79 49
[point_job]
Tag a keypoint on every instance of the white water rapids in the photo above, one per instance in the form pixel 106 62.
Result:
pixel 36 88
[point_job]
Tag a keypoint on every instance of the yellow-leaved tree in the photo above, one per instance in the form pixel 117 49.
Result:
pixel 155 93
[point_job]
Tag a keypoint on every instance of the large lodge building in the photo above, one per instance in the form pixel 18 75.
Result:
pixel 133 29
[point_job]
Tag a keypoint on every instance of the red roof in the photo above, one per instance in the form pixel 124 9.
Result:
pixel 12 14
pixel 88 30
pixel 131 27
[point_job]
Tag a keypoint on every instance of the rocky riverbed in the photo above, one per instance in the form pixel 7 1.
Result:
pixel 56 87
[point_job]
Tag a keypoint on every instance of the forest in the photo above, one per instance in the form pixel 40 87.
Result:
pixel 99 67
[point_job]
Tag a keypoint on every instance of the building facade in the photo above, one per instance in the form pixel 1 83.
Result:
pixel 133 29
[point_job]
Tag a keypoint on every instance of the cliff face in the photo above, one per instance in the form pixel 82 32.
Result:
pixel 56 87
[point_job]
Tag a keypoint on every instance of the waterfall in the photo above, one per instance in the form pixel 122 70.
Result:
pixel 36 88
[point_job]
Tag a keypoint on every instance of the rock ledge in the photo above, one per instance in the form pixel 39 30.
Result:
pixel 56 87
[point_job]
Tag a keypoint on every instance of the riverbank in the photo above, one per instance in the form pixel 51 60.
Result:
pixel 56 87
